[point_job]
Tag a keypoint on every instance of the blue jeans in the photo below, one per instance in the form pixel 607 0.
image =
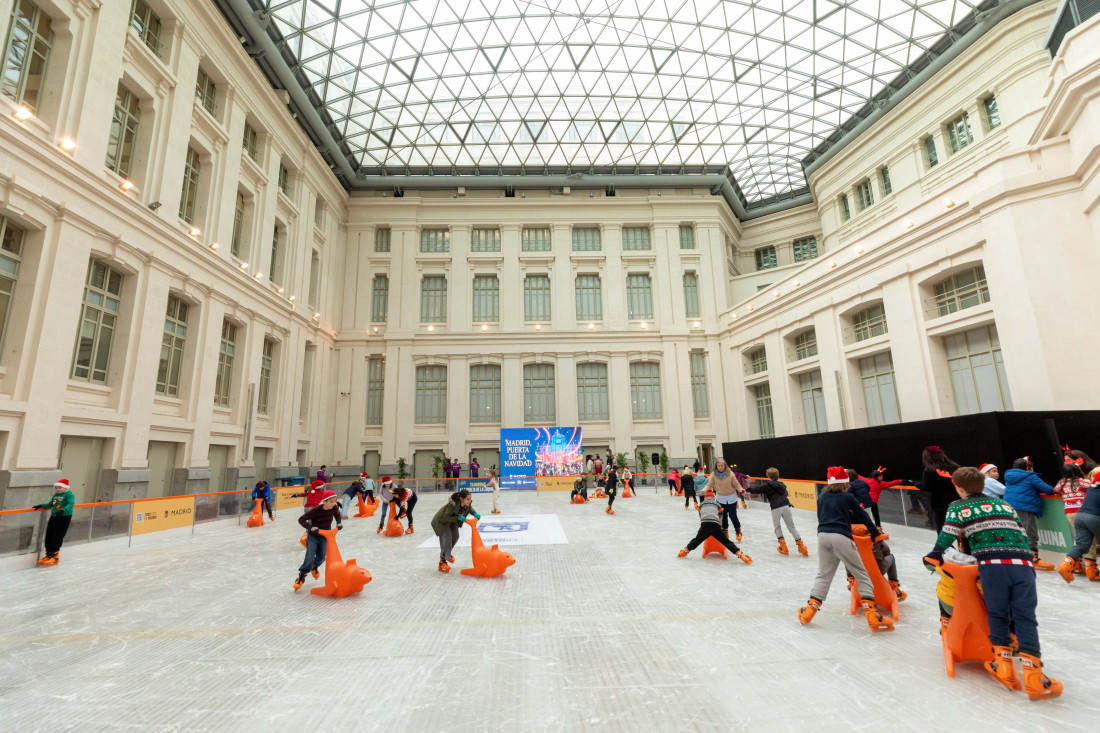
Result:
pixel 382 518
pixel 316 547
pixel 1010 600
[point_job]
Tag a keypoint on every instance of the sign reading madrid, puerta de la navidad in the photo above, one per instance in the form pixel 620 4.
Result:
pixel 546 458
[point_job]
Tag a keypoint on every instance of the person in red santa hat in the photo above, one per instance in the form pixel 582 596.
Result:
pixel 318 518
pixel 837 511
pixel 61 514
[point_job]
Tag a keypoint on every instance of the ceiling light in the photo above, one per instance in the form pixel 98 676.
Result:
pixel 796 283
pixel 735 316
pixel 195 232
pixel 859 249
pixel 749 308
pixel 376 329
pixel 948 203
pixel 21 113
pixel 484 327
pixel 214 245
pixel 126 185
pixel 67 144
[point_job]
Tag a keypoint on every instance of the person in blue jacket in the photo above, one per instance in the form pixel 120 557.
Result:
pixel 860 489
pixel 1022 489
pixel 262 490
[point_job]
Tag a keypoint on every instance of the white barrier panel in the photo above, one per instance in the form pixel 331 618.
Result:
pixel 512 529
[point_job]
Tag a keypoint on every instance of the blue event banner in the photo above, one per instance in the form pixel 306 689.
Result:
pixel 527 453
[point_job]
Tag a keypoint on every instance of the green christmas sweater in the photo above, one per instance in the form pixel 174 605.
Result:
pixel 990 527
pixel 61 504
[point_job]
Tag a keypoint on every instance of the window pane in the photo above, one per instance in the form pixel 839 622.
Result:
pixel 687 237
pixel 376 382
pixel 586 239
pixel 813 402
pixel 589 298
pixel 636 238
pixel 592 391
pixel 433 299
pixel 977 371
pixel 431 394
pixel 538 393
pixel 435 240
pixel 699 399
pixel 380 299
pixel 91 357
pixel 486 299
pixel 382 240
pixel 536 298
pixel 645 390
pixel 691 294
pixel 485 393
pixel 765 422
pixel 639 297
pixel 766 258
pixel 536 239
pixel 485 240
pixel 805 249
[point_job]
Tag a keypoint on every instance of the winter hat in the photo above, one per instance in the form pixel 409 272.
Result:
pixel 329 494
pixel 710 493
pixel 986 468
pixel 316 484
pixel 386 479
pixel 837 475
pixel 363 474
pixel 62 484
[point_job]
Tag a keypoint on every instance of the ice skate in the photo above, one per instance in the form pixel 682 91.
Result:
pixel 851 583
pixel 1037 684
pixel 682 553
pixel 902 595
pixel 378 531
pixel 409 530
pixel 451 558
pixel 738 535
pixel 744 558
pixel 51 560
pixel 1003 667
pixel 1041 564
pixel 802 548
pixel 782 549
pixel 444 567
pixel 315 573
pixel 806 613
pixel 301 579
pixel 1091 571
pixel 609 510
pixel 877 621
pixel 1066 569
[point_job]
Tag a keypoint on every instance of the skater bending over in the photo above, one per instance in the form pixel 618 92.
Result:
pixel 447 522
pixel 262 491
pixel 710 526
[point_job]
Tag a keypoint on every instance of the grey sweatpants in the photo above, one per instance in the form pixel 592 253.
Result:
pixel 784 513
pixel 833 549
pixel 448 540
pixel 1031 529
pixel 1087 527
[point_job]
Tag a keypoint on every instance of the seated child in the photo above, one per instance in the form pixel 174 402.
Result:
pixel 711 526
pixel 580 487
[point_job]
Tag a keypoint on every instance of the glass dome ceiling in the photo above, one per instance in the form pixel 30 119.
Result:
pixel 743 88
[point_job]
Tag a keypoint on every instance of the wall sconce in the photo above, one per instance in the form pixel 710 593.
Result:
pixel 126 185
pixel 214 245
pixel 21 114
pixel 195 232
pixel 538 326
pixel 948 203
pixel 907 224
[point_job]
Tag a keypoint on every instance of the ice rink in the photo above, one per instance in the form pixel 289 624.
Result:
pixel 608 632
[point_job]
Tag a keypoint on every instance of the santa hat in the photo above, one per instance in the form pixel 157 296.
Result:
pixel 837 475
pixel 386 479
pixel 316 484
pixel 329 494
pixel 710 493
pixel 62 484
pixel 986 468
pixel 363 475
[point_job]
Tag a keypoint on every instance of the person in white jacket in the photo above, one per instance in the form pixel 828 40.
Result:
pixel 993 487
pixel 494 484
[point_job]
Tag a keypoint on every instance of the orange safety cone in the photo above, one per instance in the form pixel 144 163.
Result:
pixel 366 509
pixel 488 562
pixel 394 528
pixel 884 594
pixel 967 633
pixel 341 578
pixel 257 518
pixel 711 544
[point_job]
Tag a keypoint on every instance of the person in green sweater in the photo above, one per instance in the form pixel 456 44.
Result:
pixel 61 505
pixel 446 523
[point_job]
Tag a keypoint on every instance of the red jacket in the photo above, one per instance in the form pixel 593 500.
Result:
pixel 877 486
pixel 313 493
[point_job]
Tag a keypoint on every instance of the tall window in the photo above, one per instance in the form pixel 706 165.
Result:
pixel 766 258
pixel 250 141
pixel 435 240
pixel 376 386
pixel 869 322
pixel 276 245
pixel 930 151
pixel 433 299
pixel 315 278
pixel 485 240
pixel 382 240
pixel 887 186
pixel 687 236
pixel 813 402
pixel 877 375
pixel 765 421
pixel 486 299
pixel 645 390
pixel 589 298
pixel 380 299
pixel 699 399
pixel 205 90
pixel 191 170
pixel 845 210
pixel 636 238
pixel 11 257
pixel 863 195
pixel 538 393
pixel 26 54
pixel 958 133
pixel 124 131
pixel 962 290
pixel 431 394
pixel 536 239
pixel 805 344
pixel 307 381
pixel 586 239
pixel 485 393
pixel 284 179
pixel 691 294
pixel 267 360
pixel 536 298
pixel 639 297
pixel 147 25
pixel 171 348
pixel 238 226
pixel 758 360
pixel 977 371
pixel 592 391
pixel 805 249
pixel 992 114
pixel 98 321
pixel 319 213
pixel 224 382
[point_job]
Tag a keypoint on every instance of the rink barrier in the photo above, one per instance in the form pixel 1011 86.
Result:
pixel 116 519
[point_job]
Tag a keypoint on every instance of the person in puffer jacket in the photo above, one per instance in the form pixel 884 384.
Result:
pixel 1022 489
pixel 711 526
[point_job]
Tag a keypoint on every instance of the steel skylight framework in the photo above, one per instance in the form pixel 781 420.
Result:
pixel 749 90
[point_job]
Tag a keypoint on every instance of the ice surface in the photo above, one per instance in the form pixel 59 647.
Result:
pixel 608 632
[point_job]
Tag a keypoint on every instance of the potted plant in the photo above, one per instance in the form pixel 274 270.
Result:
pixel 402 468
pixel 643 463
pixel 437 468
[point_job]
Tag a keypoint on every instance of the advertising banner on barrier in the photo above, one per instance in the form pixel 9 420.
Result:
pixel 153 516
pixel 283 498
pixel 1054 531
pixel 474 485
pixel 803 494
pixel 526 453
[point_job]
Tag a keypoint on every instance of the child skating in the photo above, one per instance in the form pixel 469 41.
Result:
pixel 837 511
pixel 687 483
pixel 996 537
pixel 780 504
pixel 386 492
pixel 61 515
pixel 262 491
pixel 727 490
pixel 447 522
pixel 612 486
pixel 406 502
pixel 318 518
pixel 494 485
pixel 711 526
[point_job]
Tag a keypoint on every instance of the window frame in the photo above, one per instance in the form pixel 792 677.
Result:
pixel 765 416
pixel 887 182
pixel 690 231
pixel 105 294
pixel 864 321
pixel 803 246
pixel 805 344
pixel 192 172
pixel 691 295
pixel 206 91
pixel 767 258
pixel 376 390
pixel 589 295
pixel 956 128
pixel 33 53
pixel 946 292
pixel 485 299
pixel 593 403
pixel 433 301
pixel 174 340
pixel 758 360
pixel 485 387
pixel 872 382
pixel 11 261
pixel 637 239
pixel 435 240
pixel 700 398
pixel 147 24
pixel 931 157
pixel 864 196
pixel 227 354
pixel 485 239
pixel 540 243
pixel 639 296
pixel 538 296
pixel 125 124
pixel 813 402
pixel 539 393
pixel 645 389
pixel 383 239
pixel 250 142
pixel 586 239
pixel 430 377
pixel 992 116
pixel 380 298
pixel 267 365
